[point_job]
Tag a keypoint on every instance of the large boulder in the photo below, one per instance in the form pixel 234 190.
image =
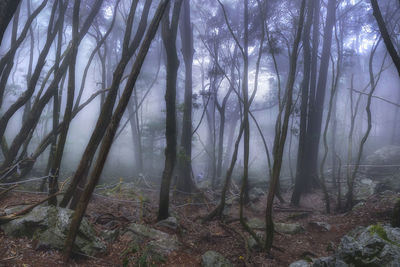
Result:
pixel 375 245
pixel 214 259
pixel 49 226
pixel 159 242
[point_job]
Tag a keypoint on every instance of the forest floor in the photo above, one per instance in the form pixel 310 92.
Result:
pixel 227 238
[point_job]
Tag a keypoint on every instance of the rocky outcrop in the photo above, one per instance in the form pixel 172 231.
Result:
pixel 375 245
pixel 170 222
pixel 214 259
pixel 48 225
pixel 158 242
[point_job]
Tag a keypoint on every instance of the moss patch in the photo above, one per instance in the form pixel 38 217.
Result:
pixel 380 231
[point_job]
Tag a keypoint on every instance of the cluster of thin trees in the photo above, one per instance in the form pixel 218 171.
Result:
pixel 303 45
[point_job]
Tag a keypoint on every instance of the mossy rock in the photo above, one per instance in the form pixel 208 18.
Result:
pixel 49 226
pixel 214 259
pixel 158 242
pixel 396 214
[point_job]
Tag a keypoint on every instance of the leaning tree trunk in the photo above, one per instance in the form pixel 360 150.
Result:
pixel 385 35
pixel 128 50
pixel 7 10
pixel 111 131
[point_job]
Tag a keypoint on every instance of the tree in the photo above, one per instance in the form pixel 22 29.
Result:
pixel 281 128
pixel 385 35
pixel 128 49
pixel 111 130
pixel 169 33
pixel 184 182
pixel 7 10
pixel 316 107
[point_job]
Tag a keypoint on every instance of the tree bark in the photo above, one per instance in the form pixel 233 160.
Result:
pixel 128 50
pixel 184 180
pixel 169 32
pixel 7 10
pixel 112 129
pixel 385 35
pixel 281 133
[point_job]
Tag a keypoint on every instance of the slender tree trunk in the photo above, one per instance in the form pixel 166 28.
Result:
pixel 55 168
pixel 136 137
pixel 281 133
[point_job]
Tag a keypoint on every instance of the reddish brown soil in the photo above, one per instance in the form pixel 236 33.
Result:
pixel 226 238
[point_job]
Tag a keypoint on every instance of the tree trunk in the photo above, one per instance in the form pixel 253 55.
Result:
pixel 184 181
pixel 7 10
pixel 385 35
pixel 111 130
pixel 300 181
pixel 316 113
pixel 169 32
pixel 128 50
pixel 281 133
pixel 55 169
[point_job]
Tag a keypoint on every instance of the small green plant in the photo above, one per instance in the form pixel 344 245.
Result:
pixel 380 231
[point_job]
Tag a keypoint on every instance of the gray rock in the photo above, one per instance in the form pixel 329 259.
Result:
pixel 255 194
pixel 375 245
pixel 300 263
pixel 329 261
pixel 288 228
pixel 256 223
pixel 110 235
pixel 159 243
pixel 364 188
pixel 252 242
pixel 321 226
pixel 49 226
pixel 284 228
pixel 214 259
pixel 170 222
pixel 320 262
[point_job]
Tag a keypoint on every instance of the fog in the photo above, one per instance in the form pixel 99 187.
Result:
pixel 309 91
